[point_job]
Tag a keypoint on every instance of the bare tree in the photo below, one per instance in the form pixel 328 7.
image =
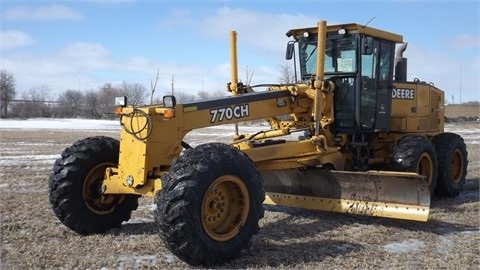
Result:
pixel 183 97
pixel 7 92
pixel 106 99
pixel 211 94
pixel 91 104
pixel 70 103
pixel 36 102
pixel 287 75
pixel 218 93
pixel 248 75
pixel 135 92
pixel 202 94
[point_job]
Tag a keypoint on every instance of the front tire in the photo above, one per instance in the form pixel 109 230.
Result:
pixel 210 204
pixel 74 187
pixel 416 154
pixel 452 163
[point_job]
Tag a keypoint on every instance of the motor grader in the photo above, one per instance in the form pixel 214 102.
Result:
pixel 368 142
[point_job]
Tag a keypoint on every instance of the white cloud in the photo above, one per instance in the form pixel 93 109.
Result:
pixel 82 65
pixel 42 13
pixel 260 36
pixel 87 65
pixel 258 31
pixel 448 71
pixel 177 16
pixel 88 56
pixel 12 39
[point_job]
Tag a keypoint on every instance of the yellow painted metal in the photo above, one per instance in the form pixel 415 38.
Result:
pixel 234 63
pixel 145 147
pixel 456 166
pixel 425 166
pixel 98 203
pixel 376 209
pixel 225 208
pixel 373 193
pixel 351 28
pixel 146 150
pixel 417 108
pixel 151 136
pixel 318 83
pixel 112 184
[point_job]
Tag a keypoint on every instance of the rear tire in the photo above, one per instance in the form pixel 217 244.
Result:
pixel 416 154
pixel 74 187
pixel 452 163
pixel 210 204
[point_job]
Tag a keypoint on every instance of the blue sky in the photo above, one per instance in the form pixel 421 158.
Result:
pixel 85 44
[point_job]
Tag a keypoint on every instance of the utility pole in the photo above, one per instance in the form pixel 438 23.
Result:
pixel 173 85
pixel 460 85
pixel 153 86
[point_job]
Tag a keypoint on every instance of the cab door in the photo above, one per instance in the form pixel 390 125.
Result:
pixel 376 86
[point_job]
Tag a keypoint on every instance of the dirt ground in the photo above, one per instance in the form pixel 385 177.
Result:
pixel 33 238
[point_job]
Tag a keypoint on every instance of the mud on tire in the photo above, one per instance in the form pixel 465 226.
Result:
pixel 74 187
pixel 416 154
pixel 452 163
pixel 210 204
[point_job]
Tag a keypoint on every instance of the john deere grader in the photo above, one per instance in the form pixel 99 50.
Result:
pixel 369 143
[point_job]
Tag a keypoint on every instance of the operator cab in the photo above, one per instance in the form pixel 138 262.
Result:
pixel 359 61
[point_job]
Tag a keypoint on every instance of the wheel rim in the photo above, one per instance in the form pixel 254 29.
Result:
pixel 425 167
pixel 95 201
pixel 225 208
pixel 456 166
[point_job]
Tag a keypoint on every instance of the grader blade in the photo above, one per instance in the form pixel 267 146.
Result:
pixel 373 193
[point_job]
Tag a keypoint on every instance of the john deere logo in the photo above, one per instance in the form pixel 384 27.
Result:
pixel 401 93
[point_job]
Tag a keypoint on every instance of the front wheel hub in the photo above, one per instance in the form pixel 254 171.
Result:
pixel 225 208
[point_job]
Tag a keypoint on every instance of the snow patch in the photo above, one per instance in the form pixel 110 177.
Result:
pixel 345 247
pixel 152 207
pixel 446 244
pixel 60 124
pixel 404 246
pixel 27 160
pixel 138 261
pixel 138 221
pixel 168 257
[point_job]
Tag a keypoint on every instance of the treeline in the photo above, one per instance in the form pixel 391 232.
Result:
pixel 93 103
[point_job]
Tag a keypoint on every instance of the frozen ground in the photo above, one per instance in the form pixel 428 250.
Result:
pixel 32 237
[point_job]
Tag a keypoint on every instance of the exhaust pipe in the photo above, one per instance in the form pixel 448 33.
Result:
pixel 401 64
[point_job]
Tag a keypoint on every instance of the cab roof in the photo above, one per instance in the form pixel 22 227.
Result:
pixel 352 28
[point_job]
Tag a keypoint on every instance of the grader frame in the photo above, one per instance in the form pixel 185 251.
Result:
pixel 363 150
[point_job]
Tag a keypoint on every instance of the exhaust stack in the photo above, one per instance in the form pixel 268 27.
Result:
pixel 401 64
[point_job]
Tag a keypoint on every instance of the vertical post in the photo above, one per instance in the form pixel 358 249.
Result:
pixel 320 70
pixel 233 63
pixel 460 102
pixel 233 68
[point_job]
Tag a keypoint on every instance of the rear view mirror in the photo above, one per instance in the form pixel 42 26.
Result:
pixel 290 49
pixel 169 101
pixel 121 101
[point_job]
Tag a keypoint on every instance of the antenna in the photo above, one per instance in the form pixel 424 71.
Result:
pixel 368 22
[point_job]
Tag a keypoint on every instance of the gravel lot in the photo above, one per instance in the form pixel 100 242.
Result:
pixel 32 237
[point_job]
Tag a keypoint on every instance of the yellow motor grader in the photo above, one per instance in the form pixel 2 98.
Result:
pixel 370 143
